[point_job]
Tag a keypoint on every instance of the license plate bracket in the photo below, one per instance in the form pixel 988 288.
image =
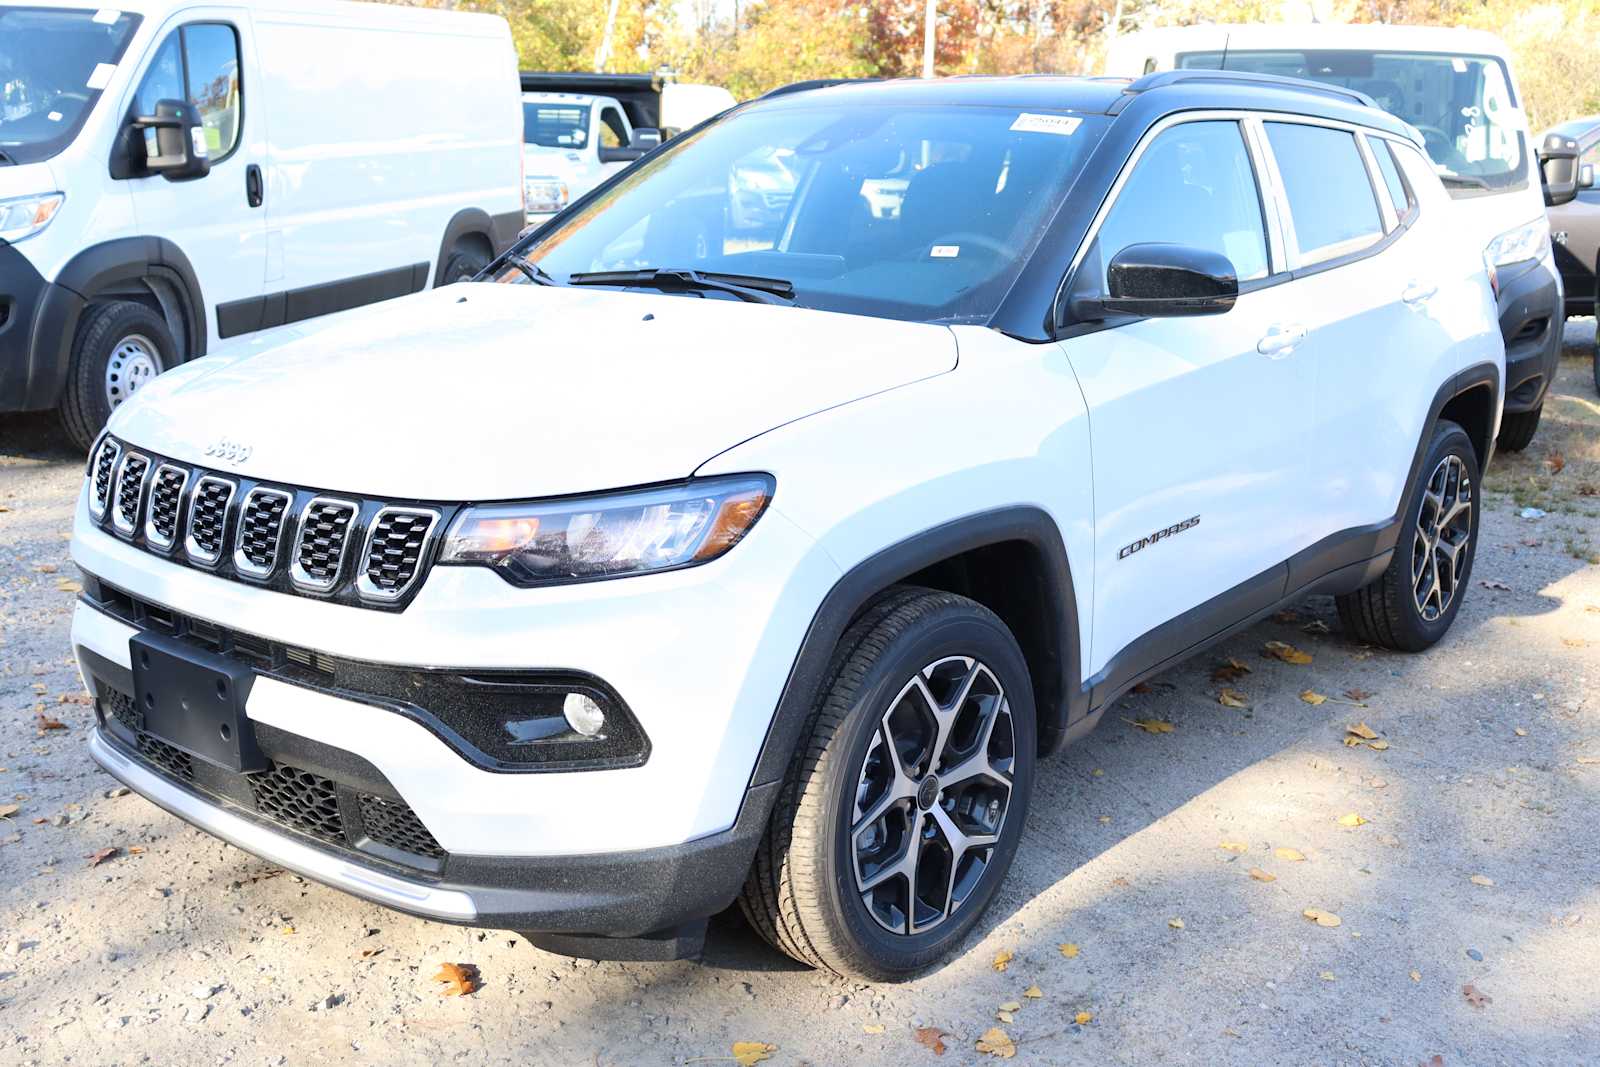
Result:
pixel 195 700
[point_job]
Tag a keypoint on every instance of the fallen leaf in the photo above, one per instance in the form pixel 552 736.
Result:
pixel 1286 652
pixel 1556 462
pixel 873 1028
pixel 1501 587
pixel 1474 997
pixel 1326 976
pixel 1358 695
pixel 997 1043
pixel 1352 820
pixel 1033 992
pixel 1176 924
pixel 1237 847
pixel 1151 726
pixel 67 585
pixel 100 855
pixel 45 722
pixel 1291 854
pixel 46 568
pixel 8 810
pixel 930 1037
pixel 368 953
pixel 750 1053
pixel 1097 773
pixel 1287 615
pixel 1363 731
pixel 1322 918
pixel 1005 1017
pixel 1069 950
pixel 1416 976
pixel 1011 1005
pixel 1480 879
pixel 1002 958
pixel 1083 1018
pixel 460 979
pixel 1589 761
pixel 1232 698
pixel 1315 626
pixel 1312 698
pixel 1229 670
pixel 1519 731
pixel 1262 876
pixel 287 930
pixel 1380 745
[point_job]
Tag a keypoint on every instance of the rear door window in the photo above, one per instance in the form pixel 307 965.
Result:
pixel 1331 199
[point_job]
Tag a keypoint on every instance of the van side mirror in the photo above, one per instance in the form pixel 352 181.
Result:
pixel 174 141
pixel 621 155
pixel 646 137
pixel 1166 280
pixel 1559 171
pixel 1586 176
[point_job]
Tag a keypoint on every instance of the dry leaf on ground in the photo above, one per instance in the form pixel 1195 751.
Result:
pixel 1480 879
pixel 1556 462
pixel 1002 958
pixel 1262 876
pixel 1151 726
pixel 8 810
pixel 1322 918
pixel 1315 626
pixel 930 1037
pixel 67 585
pixel 45 722
pixel 1312 698
pixel 1490 583
pixel 459 978
pixel 100 855
pixel 1229 670
pixel 1069 950
pixel 1232 698
pixel 997 1043
pixel 1033 992
pixel 1363 731
pixel 1358 695
pixel 1352 820
pixel 1293 855
pixel 1286 652
pixel 1327 976
pixel 1416 976
pixel 1474 997
pixel 750 1053
pixel 1519 731
pixel 1083 1018
pixel 1234 846
pixel 1175 923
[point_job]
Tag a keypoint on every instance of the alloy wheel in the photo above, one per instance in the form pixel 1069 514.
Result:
pixel 932 795
pixel 133 363
pixel 1444 529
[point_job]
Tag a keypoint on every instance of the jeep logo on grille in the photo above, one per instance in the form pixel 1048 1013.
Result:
pixel 228 451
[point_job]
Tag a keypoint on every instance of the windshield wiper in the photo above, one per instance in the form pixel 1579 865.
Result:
pixel 535 273
pixel 1471 181
pixel 7 160
pixel 747 287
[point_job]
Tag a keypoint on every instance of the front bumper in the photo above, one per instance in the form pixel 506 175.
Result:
pixel 1531 322
pixel 35 325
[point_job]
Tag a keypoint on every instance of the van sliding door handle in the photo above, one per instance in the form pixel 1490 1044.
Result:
pixel 254 191
pixel 1280 341
pixel 1418 293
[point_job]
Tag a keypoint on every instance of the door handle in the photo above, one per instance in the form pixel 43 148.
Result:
pixel 1280 341
pixel 1418 293
pixel 254 190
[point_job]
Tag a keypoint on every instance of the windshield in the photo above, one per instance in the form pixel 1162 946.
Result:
pixel 555 125
pixel 53 65
pixel 925 213
pixel 1462 104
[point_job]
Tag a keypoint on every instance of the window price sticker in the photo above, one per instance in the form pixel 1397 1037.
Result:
pixel 1060 125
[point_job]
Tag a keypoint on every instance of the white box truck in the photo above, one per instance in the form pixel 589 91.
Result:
pixel 174 174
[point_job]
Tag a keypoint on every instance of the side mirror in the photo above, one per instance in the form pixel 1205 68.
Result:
pixel 1558 170
pixel 1164 280
pixel 646 137
pixel 620 155
pixel 1586 176
pixel 174 142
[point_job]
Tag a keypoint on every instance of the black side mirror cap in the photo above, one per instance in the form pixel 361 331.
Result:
pixel 1559 172
pixel 174 141
pixel 620 155
pixel 1165 281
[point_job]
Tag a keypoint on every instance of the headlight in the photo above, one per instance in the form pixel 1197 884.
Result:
pixel 574 540
pixel 544 195
pixel 25 216
pixel 1519 245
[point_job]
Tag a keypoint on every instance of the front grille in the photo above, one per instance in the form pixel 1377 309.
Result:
pixel 123 708
pixel 255 551
pixel 393 823
pixel 105 461
pixel 169 758
pixel 208 517
pixel 130 492
pixel 324 531
pixel 299 799
pixel 394 550
pixel 166 494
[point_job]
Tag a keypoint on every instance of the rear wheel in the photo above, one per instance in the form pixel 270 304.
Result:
pixel 1412 604
pixel 1516 431
pixel 463 264
pixel 905 800
pixel 119 348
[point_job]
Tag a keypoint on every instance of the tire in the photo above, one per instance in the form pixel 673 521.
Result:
pixel 1390 611
pixel 1516 431
pixel 802 893
pixel 118 348
pixel 463 264
pixel 1597 364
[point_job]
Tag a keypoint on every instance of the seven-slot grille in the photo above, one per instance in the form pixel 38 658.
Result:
pixel 130 492
pixel 105 464
pixel 166 493
pixel 208 519
pixel 324 532
pixel 255 553
pixel 394 551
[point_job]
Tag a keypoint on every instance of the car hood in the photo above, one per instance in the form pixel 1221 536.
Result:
pixel 541 162
pixel 492 392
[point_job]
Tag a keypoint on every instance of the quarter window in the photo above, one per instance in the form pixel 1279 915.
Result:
pixel 1399 194
pixel 199 63
pixel 1195 186
pixel 1331 198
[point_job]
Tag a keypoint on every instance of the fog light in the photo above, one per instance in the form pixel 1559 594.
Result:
pixel 583 715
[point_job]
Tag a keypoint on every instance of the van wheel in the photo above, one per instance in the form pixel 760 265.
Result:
pixel 1413 602
pixel 1516 431
pixel 119 348
pixel 906 797
pixel 463 264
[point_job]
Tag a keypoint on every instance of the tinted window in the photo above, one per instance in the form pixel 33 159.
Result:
pixel 613 134
pixel 200 64
pixel 1194 186
pixel 555 125
pixel 1399 195
pixel 1330 196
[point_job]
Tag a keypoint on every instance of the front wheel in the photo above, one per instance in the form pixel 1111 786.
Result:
pixel 905 800
pixel 463 265
pixel 119 348
pixel 1414 601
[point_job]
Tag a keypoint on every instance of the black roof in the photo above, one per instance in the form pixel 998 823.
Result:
pixel 1179 90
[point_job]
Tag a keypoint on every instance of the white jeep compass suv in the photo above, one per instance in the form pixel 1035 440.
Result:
pixel 675 563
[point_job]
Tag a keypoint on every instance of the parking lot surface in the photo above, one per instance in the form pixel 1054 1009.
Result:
pixel 1158 907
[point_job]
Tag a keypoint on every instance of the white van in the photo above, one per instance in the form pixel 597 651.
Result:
pixel 173 174
pixel 1456 87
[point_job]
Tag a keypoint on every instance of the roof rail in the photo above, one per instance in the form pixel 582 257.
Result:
pixel 1241 77
pixel 814 83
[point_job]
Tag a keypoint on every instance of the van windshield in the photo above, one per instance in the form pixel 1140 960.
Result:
pixel 918 213
pixel 1461 104
pixel 555 125
pixel 54 62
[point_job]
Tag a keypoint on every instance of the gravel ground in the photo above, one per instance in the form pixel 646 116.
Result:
pixel 1469 898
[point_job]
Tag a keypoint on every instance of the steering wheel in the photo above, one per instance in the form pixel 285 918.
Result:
pixel 963 238
pixel 1436 133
